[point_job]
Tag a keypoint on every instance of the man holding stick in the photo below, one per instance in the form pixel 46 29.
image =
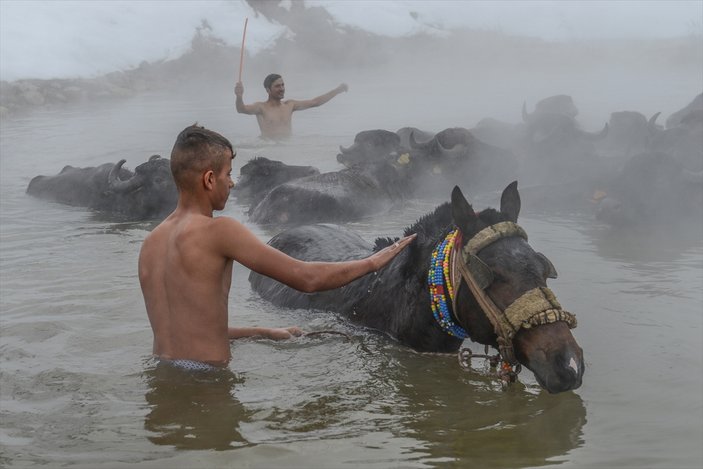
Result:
pixel 274 115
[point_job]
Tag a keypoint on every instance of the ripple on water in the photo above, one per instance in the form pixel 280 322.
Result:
pixel 77 387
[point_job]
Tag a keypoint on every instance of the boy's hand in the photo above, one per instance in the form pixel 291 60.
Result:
pixel 283 333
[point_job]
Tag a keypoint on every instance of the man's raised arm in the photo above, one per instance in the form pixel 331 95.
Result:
pixel 320 100
pixel 239 103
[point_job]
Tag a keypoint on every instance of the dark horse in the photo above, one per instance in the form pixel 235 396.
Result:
pixel 499 296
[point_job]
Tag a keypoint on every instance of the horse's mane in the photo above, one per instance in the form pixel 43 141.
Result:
pixel 429 226
pixel 439 223
pixel 491 216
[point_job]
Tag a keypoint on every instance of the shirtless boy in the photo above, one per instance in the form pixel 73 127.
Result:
pixel 274 115
pixel 185 263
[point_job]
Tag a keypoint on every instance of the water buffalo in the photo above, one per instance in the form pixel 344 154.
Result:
pixel 406 133
pixel 554 146
pixel 259 175
pixel 370 146
pixel 652 188
pixel 455 155
pixel 467 274
pixel 554 119
pixel 373 145
pixel 148 193
pixel 683 141
pixel 562 104
pixel 345 195
pixel 434 161
pixel 374 149
pixel 629 133
pixel 513 136
pixel 443 140
pixel 675 119
pixel 498 133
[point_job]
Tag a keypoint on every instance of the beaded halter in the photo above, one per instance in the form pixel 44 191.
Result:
pixel 438 279
pixel 533 308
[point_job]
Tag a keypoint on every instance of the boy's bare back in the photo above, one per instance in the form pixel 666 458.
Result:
pixel 185 263
pixel 186 287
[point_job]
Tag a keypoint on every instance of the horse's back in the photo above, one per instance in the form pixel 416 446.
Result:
pixel 318 243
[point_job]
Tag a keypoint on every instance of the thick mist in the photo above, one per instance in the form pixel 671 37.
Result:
pixel 431 66
pixel 434 83
pixel 426 73
pixel 102 82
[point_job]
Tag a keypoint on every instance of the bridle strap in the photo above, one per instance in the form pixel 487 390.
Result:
pixel 490 235
pixel 502 329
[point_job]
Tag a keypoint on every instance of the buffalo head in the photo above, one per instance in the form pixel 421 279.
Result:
pixel 369 146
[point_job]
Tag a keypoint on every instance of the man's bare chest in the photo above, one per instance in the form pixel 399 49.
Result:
pixel 278 114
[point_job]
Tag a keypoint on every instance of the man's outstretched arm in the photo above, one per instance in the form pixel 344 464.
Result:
pixel 320 100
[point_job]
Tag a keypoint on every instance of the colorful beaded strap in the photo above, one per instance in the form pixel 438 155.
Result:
pixel 440 285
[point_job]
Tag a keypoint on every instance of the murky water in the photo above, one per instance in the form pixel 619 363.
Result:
pixel 78 387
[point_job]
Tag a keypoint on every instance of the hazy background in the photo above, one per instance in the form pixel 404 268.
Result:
pixel 76 342
pixel 58 39
pixel 425 64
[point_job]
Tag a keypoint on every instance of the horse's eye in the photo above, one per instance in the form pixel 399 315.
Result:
pixel 498 277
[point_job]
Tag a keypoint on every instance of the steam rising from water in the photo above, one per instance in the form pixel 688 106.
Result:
pixel 430 65
pixel 58 39
pixel 636 294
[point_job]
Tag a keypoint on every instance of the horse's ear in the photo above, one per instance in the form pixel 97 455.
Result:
pixel 463 214
pixel 510 202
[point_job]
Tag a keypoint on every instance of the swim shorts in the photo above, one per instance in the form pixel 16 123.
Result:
pixel 190 365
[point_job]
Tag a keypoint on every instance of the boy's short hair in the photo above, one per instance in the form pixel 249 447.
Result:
pixel 198 149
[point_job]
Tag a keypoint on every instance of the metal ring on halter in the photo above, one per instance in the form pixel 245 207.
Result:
pixel 464 356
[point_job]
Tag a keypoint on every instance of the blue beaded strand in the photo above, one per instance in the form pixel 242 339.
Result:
pixel 439 284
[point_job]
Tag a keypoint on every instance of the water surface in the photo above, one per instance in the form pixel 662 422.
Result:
pixel 79 389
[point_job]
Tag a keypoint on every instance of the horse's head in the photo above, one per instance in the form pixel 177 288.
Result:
pixel 502 297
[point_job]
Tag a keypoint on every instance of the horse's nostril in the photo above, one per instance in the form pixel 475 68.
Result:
pixel 574 366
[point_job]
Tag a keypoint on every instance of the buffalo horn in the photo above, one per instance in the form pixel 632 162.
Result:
pixel 596 135
pixel 115 184
pixel 454 152
pixel 415 145
pixel 652 124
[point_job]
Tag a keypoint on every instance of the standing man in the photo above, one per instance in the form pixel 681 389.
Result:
pixel 274 115
pixel 185 263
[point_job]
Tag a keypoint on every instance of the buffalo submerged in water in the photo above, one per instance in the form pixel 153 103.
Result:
pixel 652 188
pixel 145 194
pixel 259 175
pixel 451 156
pixel 348 194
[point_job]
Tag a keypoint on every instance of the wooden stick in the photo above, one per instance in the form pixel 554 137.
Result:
pixel 241 55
